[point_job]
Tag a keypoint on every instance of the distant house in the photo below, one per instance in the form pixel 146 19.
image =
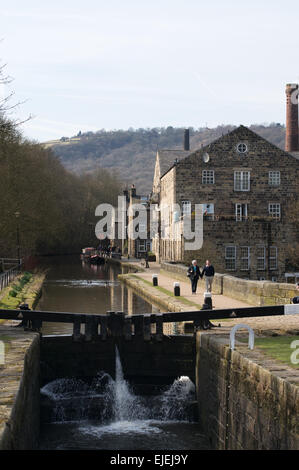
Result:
pixel 133 247
pixel 247 186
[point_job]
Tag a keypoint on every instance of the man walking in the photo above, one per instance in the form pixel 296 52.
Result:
pixel 193 273
pixel 208 272
pixel 295 300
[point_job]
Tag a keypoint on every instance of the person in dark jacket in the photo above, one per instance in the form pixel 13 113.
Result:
pixel 208 272
pixel 193 273
pixel 295 300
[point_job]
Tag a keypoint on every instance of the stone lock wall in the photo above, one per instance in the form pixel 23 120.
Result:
pixel 22 421
pixel 241 405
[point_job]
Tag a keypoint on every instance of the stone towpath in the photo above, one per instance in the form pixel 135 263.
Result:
pixel 166 280
pixel 262 325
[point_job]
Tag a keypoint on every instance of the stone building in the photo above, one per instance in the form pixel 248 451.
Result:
pixel 248 188
pixel 137 246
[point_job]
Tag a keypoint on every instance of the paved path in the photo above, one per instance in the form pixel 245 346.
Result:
pixel 280 324
pixel 166 280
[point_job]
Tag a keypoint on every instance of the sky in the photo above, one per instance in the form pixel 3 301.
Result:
pixel 84 66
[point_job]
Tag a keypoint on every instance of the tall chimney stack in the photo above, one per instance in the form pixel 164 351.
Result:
pixel 292 132
pixel 186 140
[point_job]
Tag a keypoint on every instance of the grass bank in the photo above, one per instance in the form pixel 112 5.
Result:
pixel 26 288
pixel 284 349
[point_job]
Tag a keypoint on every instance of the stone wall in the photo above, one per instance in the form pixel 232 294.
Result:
pixel 243 406
pixel 20 396
pixel 257 293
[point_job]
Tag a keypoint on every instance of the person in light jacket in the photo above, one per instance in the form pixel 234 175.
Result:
pixel 208 272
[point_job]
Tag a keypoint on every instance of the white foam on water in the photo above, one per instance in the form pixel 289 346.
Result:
pixel 121 427
pixel 120 409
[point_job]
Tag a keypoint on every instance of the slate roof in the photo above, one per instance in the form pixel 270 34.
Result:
pixel 167 158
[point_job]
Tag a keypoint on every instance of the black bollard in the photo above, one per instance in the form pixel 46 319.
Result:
pixel 208 299
pixel 155 279
pixel 24 323
pixel 177 289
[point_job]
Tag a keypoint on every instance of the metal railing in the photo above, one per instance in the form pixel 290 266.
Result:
pixel 8 276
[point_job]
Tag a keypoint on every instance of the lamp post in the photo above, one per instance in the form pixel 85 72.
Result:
pixel 17 214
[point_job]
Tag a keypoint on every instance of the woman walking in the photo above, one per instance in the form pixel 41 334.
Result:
pixel 193 273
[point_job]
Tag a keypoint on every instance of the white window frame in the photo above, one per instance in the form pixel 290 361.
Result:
pixel 273 267
pixel 232 259
pixel 274 210
pixel 274 178
pixel 244 258
pixel 208 177
pixel 142 245
pixel 243 146
pixel 242 180
pixel 258 258
pixel 239 211
pixel 186 207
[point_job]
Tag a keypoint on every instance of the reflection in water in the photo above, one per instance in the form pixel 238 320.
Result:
pixel 76 286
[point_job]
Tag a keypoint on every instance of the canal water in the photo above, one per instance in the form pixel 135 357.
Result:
pixel 73 285
pixel 106 414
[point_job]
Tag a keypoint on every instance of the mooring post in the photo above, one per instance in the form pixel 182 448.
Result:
pixel 176 289
pixel 208 299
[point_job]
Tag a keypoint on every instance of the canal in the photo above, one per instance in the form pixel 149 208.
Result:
pixel 107 413
pixel 73 285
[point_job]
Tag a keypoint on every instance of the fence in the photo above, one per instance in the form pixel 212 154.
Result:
pixel 9 274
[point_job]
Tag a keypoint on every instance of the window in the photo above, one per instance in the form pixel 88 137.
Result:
pixel 186 207
pixel 230 258
pixel 142 245
pixel 208 211
pixel 245 258
pixel 208 177
pixel 242 148
pixel 241 211
pixel 274 178
pixel 242 180
pixel 274 210
pixel 261 258
pixel 273 257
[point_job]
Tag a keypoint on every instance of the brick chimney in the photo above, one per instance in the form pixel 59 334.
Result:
pixel 292 132
pixel 186 139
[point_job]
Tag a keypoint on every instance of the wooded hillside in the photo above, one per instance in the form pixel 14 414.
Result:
pixel 132 152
